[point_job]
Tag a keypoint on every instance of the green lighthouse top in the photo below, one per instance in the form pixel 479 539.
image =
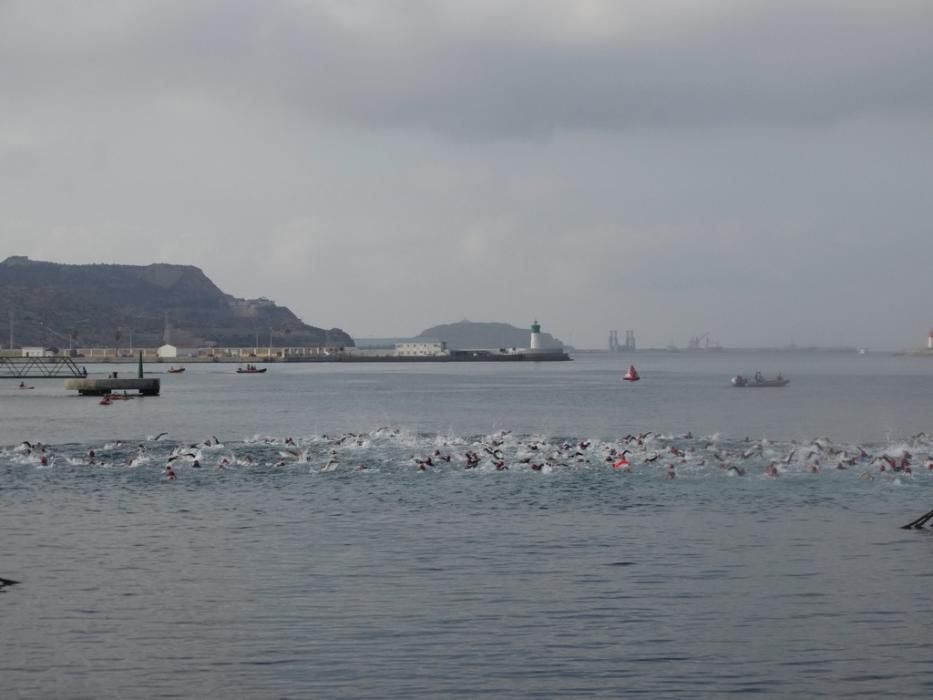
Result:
pixel 536 327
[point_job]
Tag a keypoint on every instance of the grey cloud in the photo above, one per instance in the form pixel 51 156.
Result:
pixel 755 170
pixel 409 65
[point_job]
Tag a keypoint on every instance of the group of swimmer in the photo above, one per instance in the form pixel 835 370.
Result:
pixel 648 452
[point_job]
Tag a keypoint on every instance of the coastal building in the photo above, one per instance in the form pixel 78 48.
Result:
pixel 38 351
pixel 930 341
pixel 421 348
pixel 167 352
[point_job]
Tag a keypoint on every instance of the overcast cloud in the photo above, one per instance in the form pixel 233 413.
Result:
pixel 756 170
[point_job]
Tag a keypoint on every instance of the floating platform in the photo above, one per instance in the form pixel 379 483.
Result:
pixel 100 387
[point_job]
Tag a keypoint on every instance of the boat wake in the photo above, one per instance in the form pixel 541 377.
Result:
pixel 643 455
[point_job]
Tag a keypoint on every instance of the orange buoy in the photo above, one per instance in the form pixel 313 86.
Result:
pixel 631 375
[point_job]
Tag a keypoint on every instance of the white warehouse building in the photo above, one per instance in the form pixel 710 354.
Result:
pixel 429 348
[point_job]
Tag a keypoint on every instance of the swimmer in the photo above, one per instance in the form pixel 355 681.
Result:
pixel 771 471
pixel 196 464
pixel 169 473
pixel 671 474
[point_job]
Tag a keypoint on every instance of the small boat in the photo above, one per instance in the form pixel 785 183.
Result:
pixel 250 369
pixel 175 370
pixel 758 381
pixel 631 375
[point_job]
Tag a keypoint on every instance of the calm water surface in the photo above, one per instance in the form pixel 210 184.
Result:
pixel 272 578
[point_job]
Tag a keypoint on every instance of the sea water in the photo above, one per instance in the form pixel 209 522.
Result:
pixel 336 541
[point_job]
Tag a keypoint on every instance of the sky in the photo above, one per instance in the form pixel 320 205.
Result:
pixel 757 171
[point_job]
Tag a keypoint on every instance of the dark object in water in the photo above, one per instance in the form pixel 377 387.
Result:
pixel 758 381
pixel 919 522
pixel 4 582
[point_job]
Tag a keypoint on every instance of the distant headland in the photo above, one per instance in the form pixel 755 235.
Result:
pixel 124 306
pixel 471 334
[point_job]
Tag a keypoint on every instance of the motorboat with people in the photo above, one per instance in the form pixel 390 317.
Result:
pixel 251 369
pixel 631 375
pixel 759 380
pixel 175 370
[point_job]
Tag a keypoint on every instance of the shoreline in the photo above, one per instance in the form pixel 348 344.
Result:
pixel 322 360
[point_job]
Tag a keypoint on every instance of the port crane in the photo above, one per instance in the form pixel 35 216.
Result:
pixel 694 343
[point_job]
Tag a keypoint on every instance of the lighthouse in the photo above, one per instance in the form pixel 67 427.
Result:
pixel 535 336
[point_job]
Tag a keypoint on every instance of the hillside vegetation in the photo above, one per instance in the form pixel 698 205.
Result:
pixel 102 305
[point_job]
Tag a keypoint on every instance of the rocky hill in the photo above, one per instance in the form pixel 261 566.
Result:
pixel 467 334
pixel 102 305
